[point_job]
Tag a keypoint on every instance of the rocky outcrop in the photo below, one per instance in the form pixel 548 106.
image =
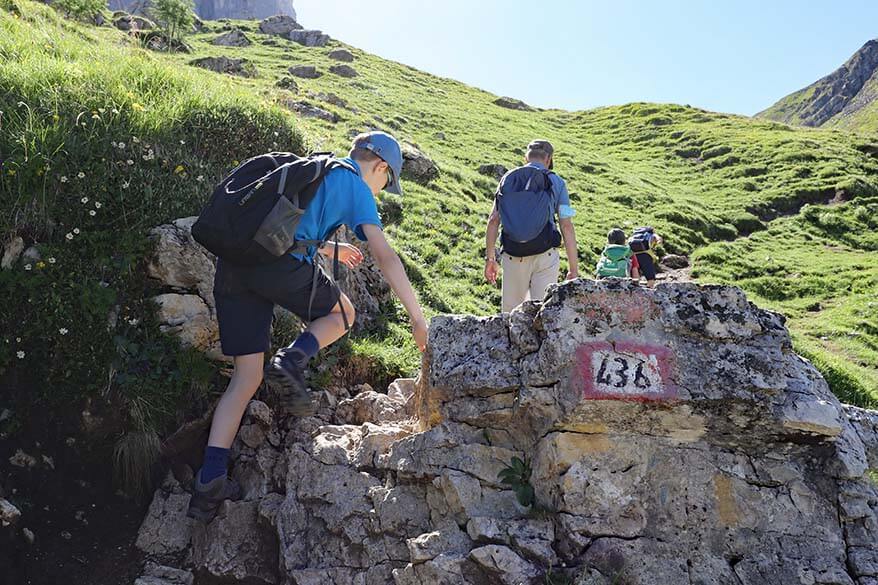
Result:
pixel 343 71
pixel 233 38
pixel 416 165
pixel 183 272
pixel 306 110
pixel 666 435
pixel 305 71
pixel 228 65
pixel 842 93
pixel 129 22
pixel 513 104
pixel 341 55
pixel 493 170
pixel 279 25
pixel 214 9
pixel 309 38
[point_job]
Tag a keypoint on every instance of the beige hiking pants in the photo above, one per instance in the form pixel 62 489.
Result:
pixel 528 277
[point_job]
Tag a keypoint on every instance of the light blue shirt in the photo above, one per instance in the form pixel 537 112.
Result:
pixel 565 211
pixel 342 199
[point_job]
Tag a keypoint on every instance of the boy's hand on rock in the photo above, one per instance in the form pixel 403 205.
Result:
pixel 349 255
pixel 419 332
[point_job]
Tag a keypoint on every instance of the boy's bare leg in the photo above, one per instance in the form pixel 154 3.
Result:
pixel 330 328
pixel 243 385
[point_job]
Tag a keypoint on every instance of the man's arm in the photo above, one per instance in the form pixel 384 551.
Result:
pixel 569 233
pixel 493 228
pixel 394 273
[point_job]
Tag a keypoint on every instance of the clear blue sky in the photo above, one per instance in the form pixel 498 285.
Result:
pixel 736 56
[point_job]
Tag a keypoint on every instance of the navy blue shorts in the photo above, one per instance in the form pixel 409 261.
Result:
pixel 647 265
pixel 245 297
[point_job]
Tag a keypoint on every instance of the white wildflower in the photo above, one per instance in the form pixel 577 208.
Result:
pixel 126 184
pixel 80 175
pixel 121 145
pixel 92 212
pixel 98 204
pixel 113 144
pixel 63 331
pixel 129 162
pixel 69 236
pixel 135 140
pixel 133 322
pixel 28 267
pixel 52 260
pixel 84 200
pixel 182 142
pixel 199 178
pixel 18 340
pixel 20 354
pixel 76 231
pixel 63 179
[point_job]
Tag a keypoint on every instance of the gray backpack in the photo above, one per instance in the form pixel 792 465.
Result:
pixel 526 201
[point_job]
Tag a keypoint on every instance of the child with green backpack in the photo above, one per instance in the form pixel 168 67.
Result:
pixel 617 259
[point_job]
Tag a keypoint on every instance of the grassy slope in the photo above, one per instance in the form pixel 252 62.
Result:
pixel 699 177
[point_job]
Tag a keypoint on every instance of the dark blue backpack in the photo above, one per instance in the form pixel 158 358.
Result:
pixel 641 239
pixel 254 212
pixel 527 203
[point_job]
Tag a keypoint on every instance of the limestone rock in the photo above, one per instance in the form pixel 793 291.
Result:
pixel 513 104
pixel 307 110
pixel 288 83
pixel 305 71
pixel 493 170
pixel 341 55
pixel 499 564
pixel 155 574
pixel 279 25
pixel 166 530
pixel 417 166
pixel 309 38
pixel 191 320
pixel 608 390
pixel 235 546
pixel 233 38
pixel 228 65
pixel 129 22
pixel 9 514
pixel 11 251
pixel 674 261
pixel 343 71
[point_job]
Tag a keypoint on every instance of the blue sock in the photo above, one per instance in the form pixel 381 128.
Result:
pixel 308 346
pixel 216 460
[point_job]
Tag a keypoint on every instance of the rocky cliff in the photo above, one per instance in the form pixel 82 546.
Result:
pixel 668 436
pixel 840 98
pixel 214 9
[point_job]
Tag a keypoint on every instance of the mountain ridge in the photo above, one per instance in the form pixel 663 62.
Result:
pixel 844 98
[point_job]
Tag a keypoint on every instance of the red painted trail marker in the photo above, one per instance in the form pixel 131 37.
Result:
pixel 626 371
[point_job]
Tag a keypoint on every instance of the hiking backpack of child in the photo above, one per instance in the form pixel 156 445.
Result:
pixel 642 242
pixel 617 260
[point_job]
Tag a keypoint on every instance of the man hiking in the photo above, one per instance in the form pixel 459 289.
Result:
pixel 526 202
pixel 245 297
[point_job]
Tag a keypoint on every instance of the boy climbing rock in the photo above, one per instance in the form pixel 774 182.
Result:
pixel 246 295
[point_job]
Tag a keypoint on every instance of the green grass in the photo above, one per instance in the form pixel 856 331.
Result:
pixel 725 186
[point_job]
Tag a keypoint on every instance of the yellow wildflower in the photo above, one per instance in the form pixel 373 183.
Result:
pixel 41 264
pixel 137 107
pixel 179 169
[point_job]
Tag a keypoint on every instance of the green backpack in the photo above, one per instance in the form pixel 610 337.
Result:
pixel 615 261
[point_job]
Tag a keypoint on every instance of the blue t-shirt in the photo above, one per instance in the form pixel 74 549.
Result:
pixel 342 199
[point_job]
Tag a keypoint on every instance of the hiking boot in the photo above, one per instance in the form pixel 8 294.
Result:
pixel 207 497
pixel 287 382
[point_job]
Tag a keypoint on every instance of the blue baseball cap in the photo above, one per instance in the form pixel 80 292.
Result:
pixel 387 148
